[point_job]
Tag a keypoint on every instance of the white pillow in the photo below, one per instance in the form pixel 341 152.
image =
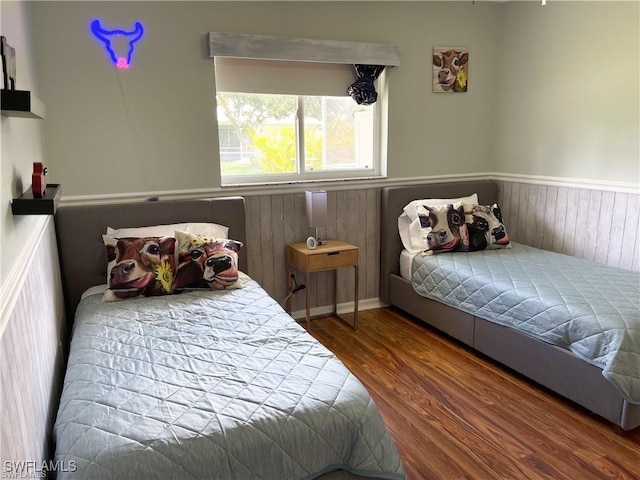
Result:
pixel 207 229
pixel 409 222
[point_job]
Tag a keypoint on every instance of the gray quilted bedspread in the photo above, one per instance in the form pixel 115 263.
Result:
pixel 591 309
pixel 211 385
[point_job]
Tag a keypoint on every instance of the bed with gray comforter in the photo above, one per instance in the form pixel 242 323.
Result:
pixel 202 384
pixel 499 302
pixel 591 309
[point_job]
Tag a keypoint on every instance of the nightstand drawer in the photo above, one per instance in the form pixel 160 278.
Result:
pixel 330 260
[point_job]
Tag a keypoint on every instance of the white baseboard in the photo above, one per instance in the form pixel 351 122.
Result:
pixel 346 307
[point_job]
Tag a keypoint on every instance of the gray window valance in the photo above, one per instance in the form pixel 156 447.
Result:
pixel 302 49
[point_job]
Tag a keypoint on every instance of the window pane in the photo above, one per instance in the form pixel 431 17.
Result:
pixel 256 133
pixel 338 134
pixel 259 137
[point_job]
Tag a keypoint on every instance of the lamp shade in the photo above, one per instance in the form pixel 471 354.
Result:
pixel 316 203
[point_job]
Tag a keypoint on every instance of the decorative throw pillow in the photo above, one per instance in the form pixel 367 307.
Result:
pixel 409 226
pixel 139 266
pixel 206 262
pixel 443 228
pixel 486 228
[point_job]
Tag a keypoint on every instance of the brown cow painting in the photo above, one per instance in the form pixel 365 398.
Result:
pixel 450 69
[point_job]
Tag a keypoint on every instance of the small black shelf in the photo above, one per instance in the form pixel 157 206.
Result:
pixel 21 103
pixel 26 204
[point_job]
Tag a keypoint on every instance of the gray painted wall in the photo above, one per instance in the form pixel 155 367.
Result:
pixel 22 143
pixel 152 127
pixel 568 90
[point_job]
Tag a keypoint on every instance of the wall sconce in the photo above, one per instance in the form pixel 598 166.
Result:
pixel 316 205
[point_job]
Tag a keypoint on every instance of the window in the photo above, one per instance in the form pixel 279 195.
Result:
pixel 283 112
pixel 270 129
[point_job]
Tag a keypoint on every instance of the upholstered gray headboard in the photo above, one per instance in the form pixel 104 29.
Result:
pixel 83 258
pixel 393 201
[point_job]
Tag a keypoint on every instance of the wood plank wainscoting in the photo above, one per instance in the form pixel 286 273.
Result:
pixel 31 357
pixel 597 225
pixel 273 221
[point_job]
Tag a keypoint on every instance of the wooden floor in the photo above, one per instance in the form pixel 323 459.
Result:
pixel 456 414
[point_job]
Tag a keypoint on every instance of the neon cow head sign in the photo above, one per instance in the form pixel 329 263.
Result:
pixel 108 37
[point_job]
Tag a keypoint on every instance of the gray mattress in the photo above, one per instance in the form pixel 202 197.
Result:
pixel 211 385
pixel 591 309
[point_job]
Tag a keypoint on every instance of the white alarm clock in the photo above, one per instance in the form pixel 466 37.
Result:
pixel 312 243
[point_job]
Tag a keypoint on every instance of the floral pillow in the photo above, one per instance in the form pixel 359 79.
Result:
pixel 443 228
pixel 486 227
pixel 206 262
pixel 139 266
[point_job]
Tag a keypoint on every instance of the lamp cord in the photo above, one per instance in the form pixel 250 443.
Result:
pixel 295 288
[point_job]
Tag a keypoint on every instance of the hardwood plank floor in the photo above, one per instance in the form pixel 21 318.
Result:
pixel 455 414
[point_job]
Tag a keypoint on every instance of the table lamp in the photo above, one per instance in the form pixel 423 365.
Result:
pixel 316 204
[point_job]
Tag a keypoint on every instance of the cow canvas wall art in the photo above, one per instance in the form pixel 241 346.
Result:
pixel 450 69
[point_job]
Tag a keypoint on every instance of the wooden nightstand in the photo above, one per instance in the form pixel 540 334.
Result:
pixel 329 256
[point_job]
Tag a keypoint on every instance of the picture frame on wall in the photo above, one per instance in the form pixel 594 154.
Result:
pixel 450 69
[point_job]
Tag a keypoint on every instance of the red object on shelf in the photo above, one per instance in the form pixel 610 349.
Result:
pixel 38 182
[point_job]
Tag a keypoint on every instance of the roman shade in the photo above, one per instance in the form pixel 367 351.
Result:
pixel 249 75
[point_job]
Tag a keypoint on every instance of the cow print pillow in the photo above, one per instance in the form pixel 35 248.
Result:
pixel 443 228
pixel 486 227
pixel 139 266
pixel 206 263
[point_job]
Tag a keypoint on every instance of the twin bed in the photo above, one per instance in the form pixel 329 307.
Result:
pixel 205 383
pixel 569 324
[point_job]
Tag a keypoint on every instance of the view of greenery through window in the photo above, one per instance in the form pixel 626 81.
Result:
pixel 258 134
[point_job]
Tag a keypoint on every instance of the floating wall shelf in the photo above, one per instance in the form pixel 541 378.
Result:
pixel 21 103
pixel 27 204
